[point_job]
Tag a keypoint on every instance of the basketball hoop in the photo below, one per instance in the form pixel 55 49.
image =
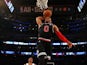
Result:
pixel 42 4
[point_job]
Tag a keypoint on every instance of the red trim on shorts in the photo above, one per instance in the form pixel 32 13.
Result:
pixel 44 39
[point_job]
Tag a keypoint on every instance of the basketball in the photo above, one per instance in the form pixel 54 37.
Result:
pixel 47 13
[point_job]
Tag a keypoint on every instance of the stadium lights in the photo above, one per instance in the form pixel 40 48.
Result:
pixel 54 54
pixel 54 44
pixel 81 4
pixel 10 5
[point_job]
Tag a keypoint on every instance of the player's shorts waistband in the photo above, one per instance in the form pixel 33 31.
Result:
pixel 44 39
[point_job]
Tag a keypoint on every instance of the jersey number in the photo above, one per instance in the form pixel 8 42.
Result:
pixel 46 28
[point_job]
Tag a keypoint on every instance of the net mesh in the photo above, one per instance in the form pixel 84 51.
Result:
pixel 42 4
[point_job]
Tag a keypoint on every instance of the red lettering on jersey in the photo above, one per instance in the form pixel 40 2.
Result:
pixel 46 28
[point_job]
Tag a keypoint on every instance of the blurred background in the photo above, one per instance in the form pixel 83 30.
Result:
pixel 18 31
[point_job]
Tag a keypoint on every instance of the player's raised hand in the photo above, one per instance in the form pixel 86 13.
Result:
pixel 70 44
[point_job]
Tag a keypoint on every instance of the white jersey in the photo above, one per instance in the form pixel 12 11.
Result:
pixel 28 64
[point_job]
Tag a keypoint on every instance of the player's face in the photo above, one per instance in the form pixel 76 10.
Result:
pixel 30 60
pixel 48 19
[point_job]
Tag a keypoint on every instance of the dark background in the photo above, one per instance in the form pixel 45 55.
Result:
pixel 21 27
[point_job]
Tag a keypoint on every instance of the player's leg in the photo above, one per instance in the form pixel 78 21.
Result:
pixel 41 53
pixel 48 50
pixel 42 60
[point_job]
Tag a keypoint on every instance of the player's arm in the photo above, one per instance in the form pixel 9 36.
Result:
pixel 61 36
pixel 39 20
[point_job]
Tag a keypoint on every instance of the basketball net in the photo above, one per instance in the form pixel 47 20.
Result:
pixel 42 4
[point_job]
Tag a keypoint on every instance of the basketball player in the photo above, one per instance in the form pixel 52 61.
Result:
pixel 45 30
pixel 30 61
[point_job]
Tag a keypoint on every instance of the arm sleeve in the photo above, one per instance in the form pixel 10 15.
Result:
pixel 61 36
